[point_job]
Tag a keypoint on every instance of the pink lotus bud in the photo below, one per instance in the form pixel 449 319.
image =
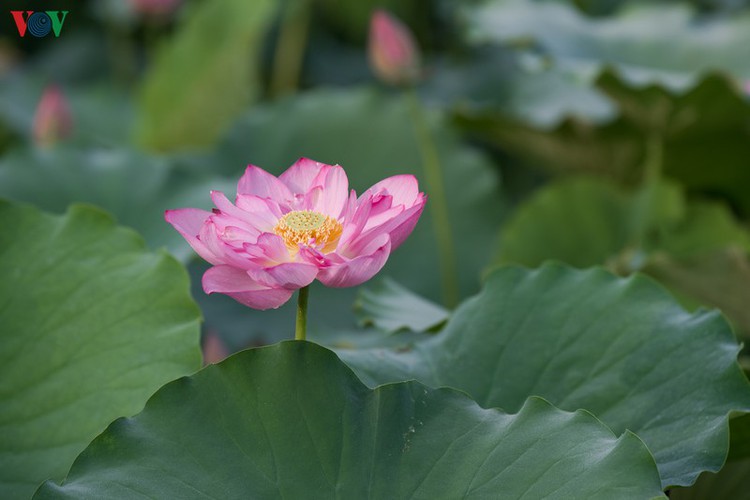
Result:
pixel 53 120
pixel 155 7
pixel 214 349
pixel 394 55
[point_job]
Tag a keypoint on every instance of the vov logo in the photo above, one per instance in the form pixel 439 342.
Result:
pixel 39 24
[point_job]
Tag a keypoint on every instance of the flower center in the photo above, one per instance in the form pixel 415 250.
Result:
pixel 304 227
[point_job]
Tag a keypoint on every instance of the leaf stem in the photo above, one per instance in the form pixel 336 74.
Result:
pixel 650 185
pixel 290 47
pixel 440 219
pixel 300 331
pixel 648 193
pixel 654 159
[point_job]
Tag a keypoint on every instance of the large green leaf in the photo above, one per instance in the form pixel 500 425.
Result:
pixel 371 135
pixel 697 249
pixel 135 187
pixel 292 421
pixel 90 326
pixel 203 76
pixel 620 348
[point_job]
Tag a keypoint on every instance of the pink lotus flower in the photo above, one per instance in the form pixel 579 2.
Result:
pixel 393 53
pixel 283 233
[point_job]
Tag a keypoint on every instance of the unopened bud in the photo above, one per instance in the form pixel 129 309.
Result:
pixel 155 8
pixel 214 349
pixel 53 120
pixel 394 55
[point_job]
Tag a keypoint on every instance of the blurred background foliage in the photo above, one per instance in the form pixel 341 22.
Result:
pixel 594 132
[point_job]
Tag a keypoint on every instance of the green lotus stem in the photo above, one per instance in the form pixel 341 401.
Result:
pixel 439 205
pixel 290 47
pixel 300 331
pixel 651 178
pixel 654 159
pixel 649 191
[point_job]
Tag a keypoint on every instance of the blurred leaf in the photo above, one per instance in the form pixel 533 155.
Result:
pixel 688 247
pixel 521 87
pixel 333 437
pixel 90 326
pixel 201 78
pixel 646 43
pixel 705 227
pixel 730 482
pixel 704 132
pixel 720 279
pixel 392 307
pixel 600 7
pixel 586 222
pixel 135 187
pixel 739 446
pixel 614 149
pixel 79 57
pixel 620 348
pixel 372 137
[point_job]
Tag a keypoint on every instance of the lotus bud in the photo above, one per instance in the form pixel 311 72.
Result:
pixel 214 349
pixel 156 8
pixel 53 120
pixel 394 55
